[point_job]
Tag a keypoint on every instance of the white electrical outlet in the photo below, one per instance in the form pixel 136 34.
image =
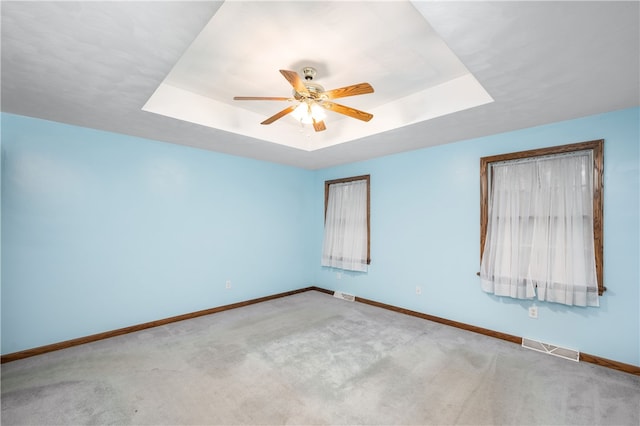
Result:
pixel 227 284
pixel 418 289
pixel 533 311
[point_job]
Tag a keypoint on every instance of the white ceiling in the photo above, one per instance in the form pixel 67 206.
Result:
pixel 97 64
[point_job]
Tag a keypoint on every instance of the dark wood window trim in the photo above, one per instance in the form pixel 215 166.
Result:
pixel 328 183
pixel 597 146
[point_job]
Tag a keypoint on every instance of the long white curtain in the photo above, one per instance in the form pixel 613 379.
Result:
pixel 539 238
pixel 345 228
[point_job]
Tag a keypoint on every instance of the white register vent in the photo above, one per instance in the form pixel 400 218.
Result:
pixel 344 296
pixel 547 348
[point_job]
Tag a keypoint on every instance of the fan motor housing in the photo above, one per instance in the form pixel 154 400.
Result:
pixel 314 89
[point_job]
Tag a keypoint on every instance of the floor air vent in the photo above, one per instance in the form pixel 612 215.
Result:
pixel 565 353
pixel 344 296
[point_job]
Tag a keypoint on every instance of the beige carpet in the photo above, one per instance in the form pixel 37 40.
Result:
pixel 312 359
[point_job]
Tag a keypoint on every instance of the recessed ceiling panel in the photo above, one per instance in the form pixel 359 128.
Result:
pixel 240 51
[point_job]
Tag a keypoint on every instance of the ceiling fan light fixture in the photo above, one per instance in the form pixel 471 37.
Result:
pixel 306 113
pixel 313 100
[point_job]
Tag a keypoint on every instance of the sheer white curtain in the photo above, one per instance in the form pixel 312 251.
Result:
pixel 539 238
pixel 345 228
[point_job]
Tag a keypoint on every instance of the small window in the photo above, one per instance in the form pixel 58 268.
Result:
pixel 541 224
pixel 346 243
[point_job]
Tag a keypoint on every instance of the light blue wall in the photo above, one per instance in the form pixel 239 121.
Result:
pixel 425 226
pixel 102 231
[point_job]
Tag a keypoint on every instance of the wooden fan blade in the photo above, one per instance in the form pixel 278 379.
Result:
pixel 259 98
pixel 319 125
pixel 279 115
pixel 351 112
pixel 294 79
pixel 343 92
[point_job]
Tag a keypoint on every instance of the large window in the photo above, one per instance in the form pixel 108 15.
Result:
pixel 541 224
pixel 347 227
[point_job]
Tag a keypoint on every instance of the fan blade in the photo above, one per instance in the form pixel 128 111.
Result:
pixel 279 115
pixel 351 112
pixel 294 79
pixel 319 125
pixel 355 89
pixel 259 98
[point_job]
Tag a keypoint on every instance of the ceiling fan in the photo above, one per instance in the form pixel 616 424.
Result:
pixel 310 96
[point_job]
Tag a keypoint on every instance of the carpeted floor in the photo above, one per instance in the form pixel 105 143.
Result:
pixel 312 359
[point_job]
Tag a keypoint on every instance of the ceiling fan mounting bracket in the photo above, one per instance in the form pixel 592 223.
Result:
pixel 309 73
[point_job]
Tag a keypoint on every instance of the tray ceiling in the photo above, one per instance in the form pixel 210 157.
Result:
pixel 415 75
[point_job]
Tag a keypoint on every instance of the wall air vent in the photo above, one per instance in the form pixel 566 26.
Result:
pixel 565 353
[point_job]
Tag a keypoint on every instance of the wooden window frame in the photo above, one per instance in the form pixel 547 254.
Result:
pixel 328 183
pixel 597 146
